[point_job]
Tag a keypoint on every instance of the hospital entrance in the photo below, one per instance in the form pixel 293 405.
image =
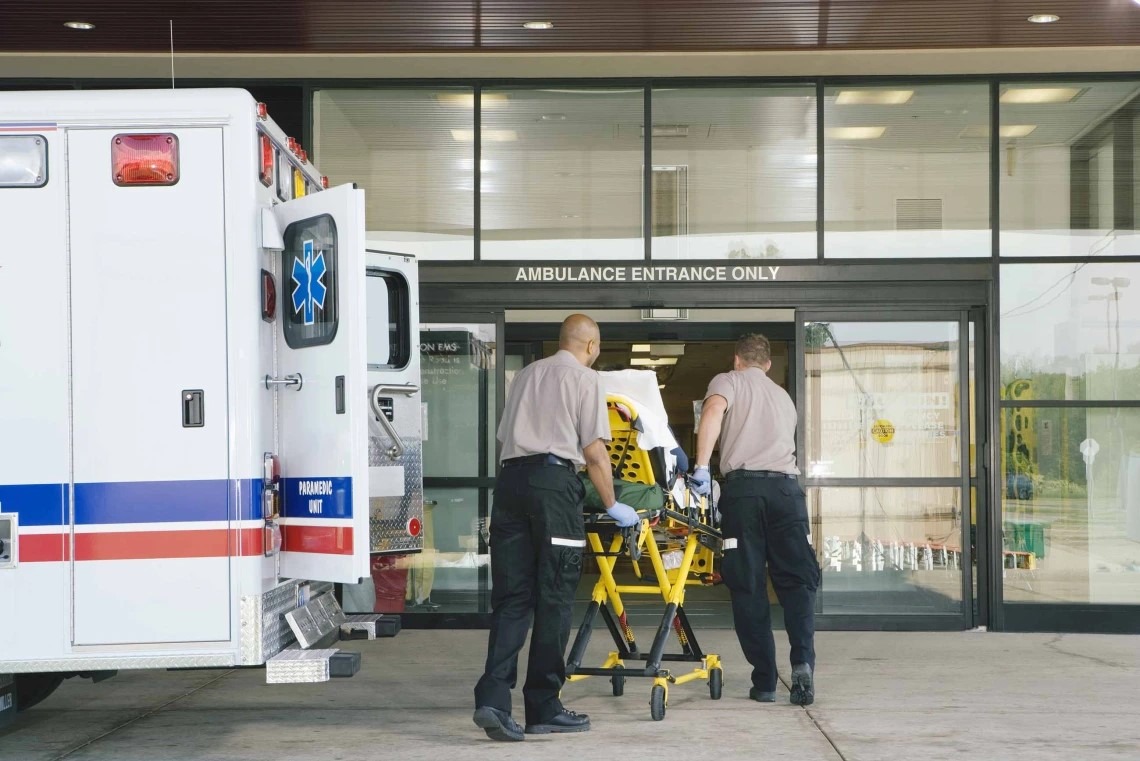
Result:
pixel 885 445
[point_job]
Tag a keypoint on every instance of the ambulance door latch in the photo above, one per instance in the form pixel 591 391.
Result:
pixel 294 380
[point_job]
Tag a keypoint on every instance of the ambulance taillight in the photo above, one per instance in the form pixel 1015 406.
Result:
pixel 148 160
pixel 267 161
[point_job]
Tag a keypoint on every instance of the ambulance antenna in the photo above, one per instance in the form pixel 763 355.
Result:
pixel 171 54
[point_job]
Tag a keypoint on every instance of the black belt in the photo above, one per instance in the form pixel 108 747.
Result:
pixel 734 474
pixel 539 459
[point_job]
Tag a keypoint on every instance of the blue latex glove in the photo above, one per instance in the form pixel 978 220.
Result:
pixel 623 514
pixel 702 482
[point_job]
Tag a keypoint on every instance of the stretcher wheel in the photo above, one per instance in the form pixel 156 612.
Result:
pixel 657 702
pixel 618 681
pixel 716 683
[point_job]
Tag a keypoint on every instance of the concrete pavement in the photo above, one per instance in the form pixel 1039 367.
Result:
pixel 1043 697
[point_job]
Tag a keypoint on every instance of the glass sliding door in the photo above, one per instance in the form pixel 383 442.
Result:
pixel 886 440
pixel 449 585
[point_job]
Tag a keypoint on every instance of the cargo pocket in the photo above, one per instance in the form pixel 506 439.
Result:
pixel 568 562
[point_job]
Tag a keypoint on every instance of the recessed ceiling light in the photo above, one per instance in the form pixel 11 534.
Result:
pixel 467 99
pixel 1044 18
pixel 489 135
pixel 1005 130
pixel 1040 94
pixel 79 25
pixel 855 133
pixel 538 25
pixel 873 97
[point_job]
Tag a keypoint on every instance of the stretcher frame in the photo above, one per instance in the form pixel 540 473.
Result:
pixel 606 543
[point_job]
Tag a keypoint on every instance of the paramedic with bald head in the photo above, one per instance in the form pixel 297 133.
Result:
pixel 764 519
pixel 554 422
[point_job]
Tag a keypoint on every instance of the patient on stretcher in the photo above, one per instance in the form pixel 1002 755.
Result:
pixel 645 454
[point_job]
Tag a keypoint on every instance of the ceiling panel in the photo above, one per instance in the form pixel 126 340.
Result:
pixel 386 26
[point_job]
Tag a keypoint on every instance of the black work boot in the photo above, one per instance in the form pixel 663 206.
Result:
pixel 762 696
pixel 563 721
pixel 803 686
pixel 499 725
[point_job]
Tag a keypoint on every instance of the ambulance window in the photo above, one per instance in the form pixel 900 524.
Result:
pixel 309 282
pixel 389 323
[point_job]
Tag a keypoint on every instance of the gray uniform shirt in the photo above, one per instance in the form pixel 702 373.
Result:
pixel 555 406
pixel 759 430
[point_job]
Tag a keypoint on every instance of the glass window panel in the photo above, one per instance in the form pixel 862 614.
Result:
pixel 882 399
pixel 562 173
pixel 734 173
pixel 446 577
pixel 457 369
pixel 399 146
pixel 889 550
pixel 1070 331
pixel 1068 169
pixel 1071 505
pixel 907 171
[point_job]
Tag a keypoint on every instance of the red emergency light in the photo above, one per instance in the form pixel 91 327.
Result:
pixel 144 159
pixel 266 161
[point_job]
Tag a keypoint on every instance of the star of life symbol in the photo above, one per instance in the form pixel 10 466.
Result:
pixel 309 291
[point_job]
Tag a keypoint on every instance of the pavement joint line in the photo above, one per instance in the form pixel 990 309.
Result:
pixel 1052 645
pixel 143 715
pixel 815 723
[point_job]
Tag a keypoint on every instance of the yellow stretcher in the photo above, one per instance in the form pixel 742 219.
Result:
pixel 686 530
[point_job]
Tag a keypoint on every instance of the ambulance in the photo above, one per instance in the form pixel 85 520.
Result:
pixel 209 394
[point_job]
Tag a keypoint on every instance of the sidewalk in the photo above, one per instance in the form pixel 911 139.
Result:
pixel 879 696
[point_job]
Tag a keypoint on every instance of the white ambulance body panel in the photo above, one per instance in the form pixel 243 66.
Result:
pixel 142 385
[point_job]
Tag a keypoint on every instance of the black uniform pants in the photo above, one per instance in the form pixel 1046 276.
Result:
pixel 537 539
pixel 764 522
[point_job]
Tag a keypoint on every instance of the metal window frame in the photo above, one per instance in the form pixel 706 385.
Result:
pixel 959 315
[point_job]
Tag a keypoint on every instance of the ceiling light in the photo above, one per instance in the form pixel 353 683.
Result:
pixel 1040 94
pixel 643 348
pixel 79 25
pixel 538 25
pixel 668 130
pixel 489 135
pixel 467 99
pixel 1044 18
pixel 855 133
pixel 873 97
pixel 648 362
pixel 1006 130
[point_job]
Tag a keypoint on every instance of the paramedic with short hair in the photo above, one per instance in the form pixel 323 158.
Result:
pixel 554 421
pixel 764 519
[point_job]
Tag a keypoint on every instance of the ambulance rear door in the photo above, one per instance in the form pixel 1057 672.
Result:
pixel 321 387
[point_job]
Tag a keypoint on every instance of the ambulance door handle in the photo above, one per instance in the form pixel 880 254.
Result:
pixel 397 449
pixel 289 380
